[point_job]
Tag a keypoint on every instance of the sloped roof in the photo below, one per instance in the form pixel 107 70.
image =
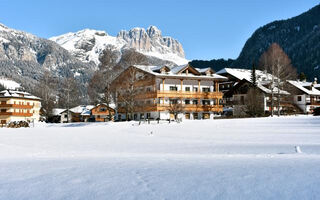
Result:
pixel 111 105
pixel 203 70
pixel 174 72
pixel 301 86
pixel 82 109
pixel 18 94
pixel 57 111
pixel 246 74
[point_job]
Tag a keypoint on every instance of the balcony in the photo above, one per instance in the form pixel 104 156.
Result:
pixel 16 114
pixel 18 106
pixel 166 107
pixel 179 94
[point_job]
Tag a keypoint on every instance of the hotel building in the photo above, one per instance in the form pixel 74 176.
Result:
pixel 161 92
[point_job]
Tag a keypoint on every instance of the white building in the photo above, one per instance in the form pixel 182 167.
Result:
pixel 18 106
pixel 307 95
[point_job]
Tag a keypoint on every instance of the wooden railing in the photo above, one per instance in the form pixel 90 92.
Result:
pixel 18 106
pixel 16 114
pixel 179 94
pixel 167 107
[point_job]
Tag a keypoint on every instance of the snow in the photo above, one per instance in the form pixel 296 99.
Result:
pixel 205 159
pixel 174 72
pixel 9 84
pixel 17 94
pixel 302 86
pixel 263 78
pixel 102 40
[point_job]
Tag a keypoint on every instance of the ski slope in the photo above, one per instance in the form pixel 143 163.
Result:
pixel 262 158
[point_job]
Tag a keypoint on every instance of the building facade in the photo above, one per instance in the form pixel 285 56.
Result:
pixel 153 92
pixel 100 113
pixel 306 95
pixel 235 91
pixel 18 106
pixel 80 113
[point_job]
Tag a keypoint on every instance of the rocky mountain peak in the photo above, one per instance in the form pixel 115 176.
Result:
pixel 154 32
pixel 87 44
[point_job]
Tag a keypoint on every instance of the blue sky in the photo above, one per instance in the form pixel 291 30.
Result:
pixel 207 29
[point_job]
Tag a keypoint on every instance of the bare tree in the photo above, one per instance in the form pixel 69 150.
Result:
pixel 132 57
pixel 99 88
pixel 128 86
pixel 276 62
pixel 175 108
pixel 46 90
pixel 69 94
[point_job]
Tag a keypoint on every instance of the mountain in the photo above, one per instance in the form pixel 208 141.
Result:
pixel 88 44
pixel 24 57
pixel 298 36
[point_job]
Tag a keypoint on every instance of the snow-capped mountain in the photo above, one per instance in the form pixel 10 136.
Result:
pixel 24 57
pixel 87 44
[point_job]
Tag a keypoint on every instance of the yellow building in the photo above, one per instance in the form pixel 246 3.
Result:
pixel 168 92
pixel 18 106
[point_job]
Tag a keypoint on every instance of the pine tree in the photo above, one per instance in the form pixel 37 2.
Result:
pixel 253 76
pixel 302 77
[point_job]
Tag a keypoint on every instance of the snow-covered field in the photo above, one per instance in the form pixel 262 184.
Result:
pixel 217 159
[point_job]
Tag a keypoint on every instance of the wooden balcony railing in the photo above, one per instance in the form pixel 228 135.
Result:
pixel 16 114
pixel 179 94
pixel 167 107
pixel 18 106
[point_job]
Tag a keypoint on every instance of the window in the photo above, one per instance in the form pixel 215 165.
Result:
pixel 206 89
pixel 141 115
pixel 148 115
pixel 173 88
pixel 195 102
pixel 173 101
pixel 3 110
pixel 148 89
pixel 187 115
pixel 206 115
pixel 195 116
pixel 242 100
pixel 299 98
pixel 195 89
pixel 187 89
pixel 103 109
pixel 205 102
pixel 3 102
pixel 187 101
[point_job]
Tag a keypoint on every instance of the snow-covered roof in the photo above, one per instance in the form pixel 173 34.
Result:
pixel 203 70
pixel 111 105
pixel 240 74
pixel 174 72
pixel 275 90
pixel 82 109
pixel 57 111
pixel 17 94
pixel 302 86
pixel 176 69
